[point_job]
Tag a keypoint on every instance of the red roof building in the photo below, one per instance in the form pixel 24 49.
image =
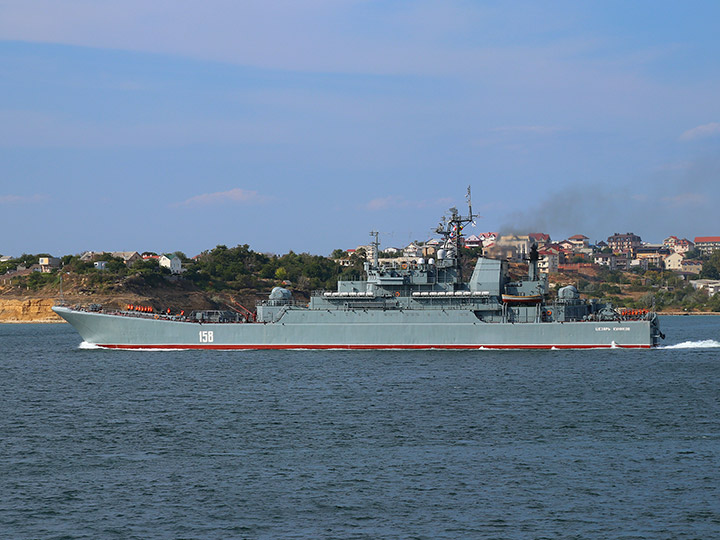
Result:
pixel 539 238
pixel 707 244
pixel 579 241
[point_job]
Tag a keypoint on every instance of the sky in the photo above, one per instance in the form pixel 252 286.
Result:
pixel 179 125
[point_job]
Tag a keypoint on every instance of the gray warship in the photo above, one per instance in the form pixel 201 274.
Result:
pixel 423 304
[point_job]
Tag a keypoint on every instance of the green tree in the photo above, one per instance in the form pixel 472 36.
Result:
pixel 281 273
pixel 648 300
pixel 711 267
pixel 338 254
pixel 695 254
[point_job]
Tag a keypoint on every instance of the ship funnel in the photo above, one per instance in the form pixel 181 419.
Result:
pixel 533 263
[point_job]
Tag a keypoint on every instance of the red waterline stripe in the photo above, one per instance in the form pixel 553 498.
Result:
pixel 365 347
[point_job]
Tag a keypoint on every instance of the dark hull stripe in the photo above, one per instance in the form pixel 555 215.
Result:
pixel 361 347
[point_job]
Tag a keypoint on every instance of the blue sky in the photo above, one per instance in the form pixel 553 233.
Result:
pixel 183 124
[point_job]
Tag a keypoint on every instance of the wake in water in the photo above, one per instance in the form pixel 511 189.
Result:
pixel 86 345
pixel 704 344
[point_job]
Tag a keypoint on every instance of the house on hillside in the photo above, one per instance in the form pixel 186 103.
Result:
pixel 562 253
pixel 707 244
pixel 129 257
pixel 413 249
pixel 605 259
pixel 539 238
pixel 473 241
pixel 691 266
pixel 575 248
pixel 549 261
pixel 711 286
pixel 484 240
pixel 429 250
pixel 488 238
pixel 566 245
pixel 173 263
pixel 678 245
pixel 674 261
pixel 90 256
pixel 670 242
pixel 48 264
pixel 612 261
pixel 579 241
pixel 510 246
pixel 653 254
pixel 684 245
pixel 624 243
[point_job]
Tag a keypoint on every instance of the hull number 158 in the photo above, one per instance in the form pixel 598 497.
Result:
pixel 206 336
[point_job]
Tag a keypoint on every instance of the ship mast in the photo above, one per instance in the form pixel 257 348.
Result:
pixel 375 247
pixel 451 229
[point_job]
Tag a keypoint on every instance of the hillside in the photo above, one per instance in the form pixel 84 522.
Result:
pixel 18 305
pixel 217 279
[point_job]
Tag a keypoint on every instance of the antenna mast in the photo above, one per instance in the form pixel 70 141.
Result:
pixel 375 247
pixel 452 228
pixel 469 202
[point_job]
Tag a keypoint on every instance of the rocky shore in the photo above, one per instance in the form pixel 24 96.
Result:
pixel 28 310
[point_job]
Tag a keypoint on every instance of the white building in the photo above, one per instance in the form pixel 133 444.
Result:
pixel 674 261
pixel 712 286
pixel 548 262
pixel 174 264
pixel 678 245
pixel 412 250
pixel 391 251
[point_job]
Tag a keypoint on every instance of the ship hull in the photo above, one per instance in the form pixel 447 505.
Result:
pixel 356 329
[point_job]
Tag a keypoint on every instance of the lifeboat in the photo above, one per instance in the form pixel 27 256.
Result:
pixel 522 299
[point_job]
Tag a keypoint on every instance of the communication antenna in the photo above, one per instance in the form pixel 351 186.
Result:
pixel 472 216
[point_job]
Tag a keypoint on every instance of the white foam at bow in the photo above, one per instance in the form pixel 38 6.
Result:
pixel 86 345
pixel 704 344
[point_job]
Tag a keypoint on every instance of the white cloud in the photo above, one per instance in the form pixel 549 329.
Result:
pixel 232 196
pixel 701 132
pixel 340 36
pixel 314 35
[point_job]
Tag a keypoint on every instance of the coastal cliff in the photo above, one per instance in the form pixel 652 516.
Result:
pixel 37 307
pixel 24 310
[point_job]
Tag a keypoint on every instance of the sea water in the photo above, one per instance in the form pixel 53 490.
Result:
pixel 355 444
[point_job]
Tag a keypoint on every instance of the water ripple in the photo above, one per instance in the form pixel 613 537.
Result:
pixel 359 445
